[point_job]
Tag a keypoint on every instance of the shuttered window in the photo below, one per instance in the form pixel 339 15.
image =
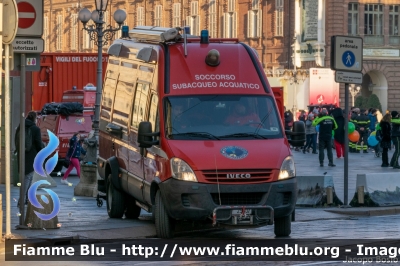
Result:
pixel 140 17
pixel 254 20
pixel 158 16
pixel 194 19
pixel 59 32
pixel 74 31
pixel 279 18
pixel 212 11
pixel 230 21
pixel 176 15
pixel 46 34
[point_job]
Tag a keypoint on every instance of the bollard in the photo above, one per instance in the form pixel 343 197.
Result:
pixel 1 217
pixel 360 194
pixel 329 195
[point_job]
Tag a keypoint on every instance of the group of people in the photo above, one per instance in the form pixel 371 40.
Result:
pixel 74 152
pixel 332 126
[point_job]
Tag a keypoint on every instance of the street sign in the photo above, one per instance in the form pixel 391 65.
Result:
pixel 30 18
pixel 28 45
pixel 32 62
pixel 10 21
pixel 348 77
pixel 347 53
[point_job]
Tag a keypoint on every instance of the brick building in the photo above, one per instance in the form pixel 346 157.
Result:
pixel 262 24
pixel 377 22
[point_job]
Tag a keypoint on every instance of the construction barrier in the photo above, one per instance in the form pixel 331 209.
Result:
pixel 376 190
pixel 316 191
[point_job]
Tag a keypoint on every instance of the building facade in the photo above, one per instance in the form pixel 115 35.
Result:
pixel 377 22
pixel 264 25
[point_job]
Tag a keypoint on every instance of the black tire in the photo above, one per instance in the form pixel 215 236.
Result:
pixel 115 201
pixel 282 226
pixel 132 210
pixel 164 223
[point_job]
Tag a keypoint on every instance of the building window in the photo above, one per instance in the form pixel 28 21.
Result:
pixel 394 20
pixel 140 16
pixel 46 33
pixel 254 20
pixel 176 15
pixel 352 19
pixel 373 19
pixel 279 18
pixel 212 11
pixel 74 31
pixel 59 32
pixel 194 19
pixel 158 16
pixel 230 21
pixel 86 42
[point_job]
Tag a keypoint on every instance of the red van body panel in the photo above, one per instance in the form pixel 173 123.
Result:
pixel 219 181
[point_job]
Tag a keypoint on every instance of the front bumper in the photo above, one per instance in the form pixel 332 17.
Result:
pixel 197 201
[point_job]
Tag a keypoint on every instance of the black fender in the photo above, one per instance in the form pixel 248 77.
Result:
pixel 153 189
pixel 114 167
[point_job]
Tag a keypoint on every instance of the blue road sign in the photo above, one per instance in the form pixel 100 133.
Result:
pixel 348 58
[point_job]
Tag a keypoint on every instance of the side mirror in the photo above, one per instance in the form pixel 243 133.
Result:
pixel 298 135
pixel 145 135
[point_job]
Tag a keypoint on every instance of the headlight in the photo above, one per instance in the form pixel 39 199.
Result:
pixel 287 169
pixel 182 171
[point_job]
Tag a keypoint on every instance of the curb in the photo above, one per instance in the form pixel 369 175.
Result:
pixel 360 211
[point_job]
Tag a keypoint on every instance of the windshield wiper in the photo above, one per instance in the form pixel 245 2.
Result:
pixel 239 135
pixel 197 134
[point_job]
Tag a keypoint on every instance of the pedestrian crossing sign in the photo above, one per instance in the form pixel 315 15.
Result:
pixel 347 53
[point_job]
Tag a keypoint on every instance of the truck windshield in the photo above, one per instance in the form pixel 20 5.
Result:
pixel 222 117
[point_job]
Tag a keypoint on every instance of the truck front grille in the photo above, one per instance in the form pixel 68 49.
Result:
pixel 238 198
pixel 229 176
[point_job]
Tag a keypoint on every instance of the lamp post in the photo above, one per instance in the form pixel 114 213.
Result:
pixel 101 35
pixel 354 90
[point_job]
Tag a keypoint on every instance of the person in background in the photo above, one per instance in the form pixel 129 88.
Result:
pixel 372 118
pixel 362 127
pixel 395 136
pixel 74 153
pixel 37 145
pixel 354 113
pixel 326 125
pixel 288 119
pixel 386 141
pixel 303 116
pixel 338 137
pixel 311 135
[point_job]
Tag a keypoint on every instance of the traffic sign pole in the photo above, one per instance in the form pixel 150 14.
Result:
pixel 346 145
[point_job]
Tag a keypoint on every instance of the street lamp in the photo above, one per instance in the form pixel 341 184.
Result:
pixel 354 90
pixel 100 34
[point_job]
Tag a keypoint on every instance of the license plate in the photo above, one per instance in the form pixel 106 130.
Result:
pixel 239 212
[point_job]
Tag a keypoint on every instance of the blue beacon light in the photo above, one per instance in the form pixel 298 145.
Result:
pixel 204 36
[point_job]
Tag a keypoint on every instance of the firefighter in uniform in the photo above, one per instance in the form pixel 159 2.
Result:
pixel 362 127
pixel 354 114
pixel 326 125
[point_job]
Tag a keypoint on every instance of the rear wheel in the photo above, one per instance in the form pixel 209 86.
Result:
pixel 132 210
pixel 115 201
pixel 282 226
pixel 164 223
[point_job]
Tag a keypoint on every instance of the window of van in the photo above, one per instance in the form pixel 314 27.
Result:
pixel 75 124
pixel 222 117
pixel 140 103
pixel 122 103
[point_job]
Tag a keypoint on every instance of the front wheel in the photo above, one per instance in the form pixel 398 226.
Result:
pixel 164 223
pixel 282 226
pixel 115 201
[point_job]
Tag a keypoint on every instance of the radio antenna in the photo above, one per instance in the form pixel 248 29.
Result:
pixel 216 171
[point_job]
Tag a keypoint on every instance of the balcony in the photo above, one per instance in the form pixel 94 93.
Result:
pixel 394 40
pixel 374 40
